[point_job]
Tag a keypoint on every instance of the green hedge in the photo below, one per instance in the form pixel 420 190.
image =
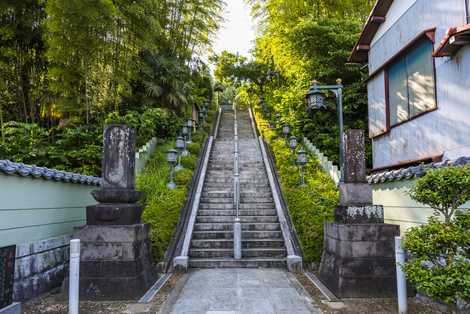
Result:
pixel 309 206
pixel 162 206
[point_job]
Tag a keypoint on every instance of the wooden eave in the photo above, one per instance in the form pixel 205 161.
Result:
pixel 456 38
pixel 360 52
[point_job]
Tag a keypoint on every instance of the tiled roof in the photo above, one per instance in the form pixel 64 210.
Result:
pixel 413 172
pixel 14 168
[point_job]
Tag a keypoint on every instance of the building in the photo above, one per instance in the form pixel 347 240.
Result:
pixel 418 57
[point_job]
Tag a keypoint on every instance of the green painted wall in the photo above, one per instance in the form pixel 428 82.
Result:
pixel 34 209
pixel 399 208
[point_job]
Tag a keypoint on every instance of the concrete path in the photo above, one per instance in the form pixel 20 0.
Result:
pixel 241 291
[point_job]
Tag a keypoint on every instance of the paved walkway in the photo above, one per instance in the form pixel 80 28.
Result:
pixel 241 291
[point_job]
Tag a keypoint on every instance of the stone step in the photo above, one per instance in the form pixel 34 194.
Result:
pixel 232 212
pixel 257 252
pixel 203 205
pixel 241 263
pixel 222 199
pixel 228 243
pixel 243 219
pixel 244 195
pixel 228 226
pixel 197 235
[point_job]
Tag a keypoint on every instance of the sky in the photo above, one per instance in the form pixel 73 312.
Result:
pixel 237 33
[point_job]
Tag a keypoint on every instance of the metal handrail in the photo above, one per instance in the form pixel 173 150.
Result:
pixel 236 191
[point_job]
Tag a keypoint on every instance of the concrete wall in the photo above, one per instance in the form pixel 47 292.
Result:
pixel 443 131
pixel 144 154
pixel 38 216
pixel 399 208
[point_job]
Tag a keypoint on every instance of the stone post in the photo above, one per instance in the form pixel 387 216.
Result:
pixel 118 197
pixel 358 257
pixel 115 261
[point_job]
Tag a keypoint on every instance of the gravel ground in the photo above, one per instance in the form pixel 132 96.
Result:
pixel 56 304
pixel 361 306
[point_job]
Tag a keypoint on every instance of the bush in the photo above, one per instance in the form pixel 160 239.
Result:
pixel 309 206
pixel 183 177
pixel 440 255
pixel 194 148
pixel 189 162
pixel 444 190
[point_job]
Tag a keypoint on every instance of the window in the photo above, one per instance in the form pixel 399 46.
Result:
pixel 411 85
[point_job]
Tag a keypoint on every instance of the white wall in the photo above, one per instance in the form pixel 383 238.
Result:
pixel 445 131
pixel 399 208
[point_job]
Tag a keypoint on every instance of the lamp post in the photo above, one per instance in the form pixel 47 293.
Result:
pixel 293 146
pixel 286 132
pixel 200 118
pixel 315 100
pixel 189 124
pixel 179 149
pixel 185 136
pixel 171 158
pixel 301 161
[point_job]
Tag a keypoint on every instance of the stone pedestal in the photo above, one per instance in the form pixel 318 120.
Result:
pixel 358 257
pixel 358 260
pixel 115 262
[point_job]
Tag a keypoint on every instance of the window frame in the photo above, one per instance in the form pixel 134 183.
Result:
pixel 429 36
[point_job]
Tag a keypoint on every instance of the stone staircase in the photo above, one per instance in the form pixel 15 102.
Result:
pixel 212 238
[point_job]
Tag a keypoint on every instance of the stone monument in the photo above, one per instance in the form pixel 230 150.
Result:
pixel 115 260
pixel 358 257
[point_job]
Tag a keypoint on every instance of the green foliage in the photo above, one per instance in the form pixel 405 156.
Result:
pixel 161 205
pixel 444 190
pixel 82 63
pixel 309 206
pixel 194 148
pixel 183 177
pixel 189 162
pixel 440 252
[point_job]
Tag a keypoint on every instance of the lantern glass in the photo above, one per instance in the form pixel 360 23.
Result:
pixel 179 143
pixel 301 157
pixel 171 156
pixel 316 100
pixel 185 130
pixel 286 129
pixel 293 142
pixel 189 123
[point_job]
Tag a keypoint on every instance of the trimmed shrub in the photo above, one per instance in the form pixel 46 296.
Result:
pixel 194 148
pixel 189 162
pixel 440 253
pixel 183 177
pixel 444 190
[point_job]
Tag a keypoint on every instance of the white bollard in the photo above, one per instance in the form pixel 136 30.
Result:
pixel 401 278
pixel 237 239
pixel 74 275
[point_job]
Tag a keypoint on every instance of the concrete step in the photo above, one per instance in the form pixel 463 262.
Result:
pixel 228 243
pixel 243 206
pixel 232 212
pixel 257 252
pixel 229 199
pixel 243 219
pixel 197 235
pixel 241 263
pixel 228 226
pixel 244 195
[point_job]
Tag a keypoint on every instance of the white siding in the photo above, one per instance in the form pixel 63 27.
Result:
pixel 399 208
pixel 444 131
pixel 422 15
pixel 397 9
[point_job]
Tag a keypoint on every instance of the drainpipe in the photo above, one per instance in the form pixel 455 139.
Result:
pixel 467 10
